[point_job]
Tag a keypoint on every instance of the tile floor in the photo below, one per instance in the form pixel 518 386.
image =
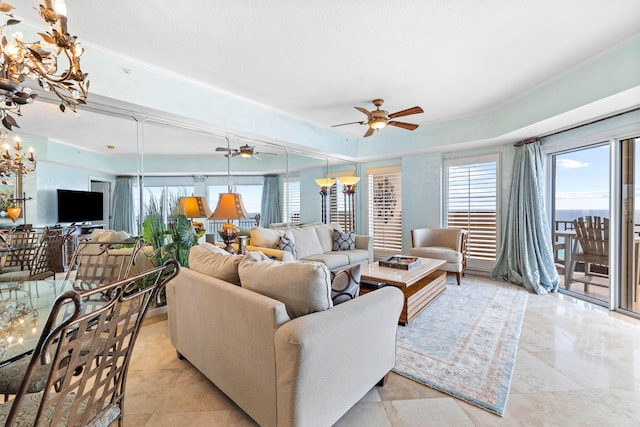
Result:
pixel 577 365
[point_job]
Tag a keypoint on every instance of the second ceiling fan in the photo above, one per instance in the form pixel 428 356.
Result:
pixel 378 119
pixel 245 151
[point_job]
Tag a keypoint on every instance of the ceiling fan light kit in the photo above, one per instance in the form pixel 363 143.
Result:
pixel 379 119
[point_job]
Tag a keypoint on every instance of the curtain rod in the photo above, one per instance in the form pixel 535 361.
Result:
pixel 530 140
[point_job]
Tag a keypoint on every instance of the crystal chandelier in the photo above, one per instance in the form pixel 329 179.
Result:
pixel 18 162
pixel 54 62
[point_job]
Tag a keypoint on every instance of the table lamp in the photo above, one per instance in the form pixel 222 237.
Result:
pixel 229 207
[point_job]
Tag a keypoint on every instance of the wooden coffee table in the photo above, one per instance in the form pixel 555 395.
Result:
pixel 420 285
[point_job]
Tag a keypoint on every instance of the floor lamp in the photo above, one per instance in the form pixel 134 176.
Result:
pixel 349 190
pixel 325 184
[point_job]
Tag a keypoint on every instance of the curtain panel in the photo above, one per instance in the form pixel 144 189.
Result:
pixel 526 252
pixel 123 205
pixel 270 206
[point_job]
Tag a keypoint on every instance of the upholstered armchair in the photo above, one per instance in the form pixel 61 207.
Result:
pixel 449 244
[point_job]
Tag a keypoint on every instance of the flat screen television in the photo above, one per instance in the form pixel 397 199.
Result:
pixel 79 206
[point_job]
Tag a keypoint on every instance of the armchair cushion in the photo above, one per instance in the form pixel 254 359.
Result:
pixel 304 287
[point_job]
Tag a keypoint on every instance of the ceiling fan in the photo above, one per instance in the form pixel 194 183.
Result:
pixel 378 119
pixel 245 151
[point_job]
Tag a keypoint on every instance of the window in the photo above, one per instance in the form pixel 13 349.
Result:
pixel 291 199
pixel 384 195
pixel 471 204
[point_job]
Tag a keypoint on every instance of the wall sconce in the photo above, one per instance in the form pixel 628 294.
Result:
pixel 325 184
pixel 349 183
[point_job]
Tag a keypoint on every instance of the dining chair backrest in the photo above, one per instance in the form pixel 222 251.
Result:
pixel 23 242
pixel 48 251
pixel 101 263
pixel 592 232
pixel 88 353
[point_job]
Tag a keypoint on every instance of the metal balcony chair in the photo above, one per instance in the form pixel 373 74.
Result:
pixel 86 355
pixel 591 248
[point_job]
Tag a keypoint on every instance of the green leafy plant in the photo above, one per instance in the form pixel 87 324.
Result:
pixel 182 237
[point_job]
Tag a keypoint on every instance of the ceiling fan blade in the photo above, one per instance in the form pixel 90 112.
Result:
pixel 403 125
pixel 350 123
pixel 364 111
pixel 369 132
pixel 407 112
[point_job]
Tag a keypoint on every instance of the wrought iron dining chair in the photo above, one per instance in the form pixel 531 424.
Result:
pixel 38 265
pixel 88 355
pixel 22 242
pixel 592 248
pixel 101 263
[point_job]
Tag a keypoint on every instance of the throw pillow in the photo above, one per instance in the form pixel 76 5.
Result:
pixel 345 284
pixel 344 241
pixel 287 244
pixel 303 287
pixel 213 261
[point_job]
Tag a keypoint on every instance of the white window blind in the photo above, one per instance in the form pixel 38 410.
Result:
pixel 384 194
pixel 471 203
pixel 291 205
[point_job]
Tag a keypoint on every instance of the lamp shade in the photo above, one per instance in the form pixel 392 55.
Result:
pixel 349 180
pixel 229 207
pixel 325 182
pixel 194 207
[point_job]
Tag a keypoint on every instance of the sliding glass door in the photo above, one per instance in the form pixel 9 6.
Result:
pixel 581 221
pixel 629 295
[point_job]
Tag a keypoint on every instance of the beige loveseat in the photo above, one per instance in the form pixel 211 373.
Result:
pixel 313 242
pixel 298 361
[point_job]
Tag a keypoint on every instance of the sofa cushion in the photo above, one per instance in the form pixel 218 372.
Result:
pixel 265 237
pixel 109 236
pixel 344 241
pixel 325 235
pixel 357 256
pixel 213 261
pixel 345 284
pixel 287 244
pixel 307 242
pixel 304 287
pixel 333 260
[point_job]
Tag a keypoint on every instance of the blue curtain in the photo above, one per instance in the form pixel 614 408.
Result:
pixel 526 253
pixel 123 205
pixel 270 209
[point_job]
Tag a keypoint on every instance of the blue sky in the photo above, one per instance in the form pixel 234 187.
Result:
pixel 582 179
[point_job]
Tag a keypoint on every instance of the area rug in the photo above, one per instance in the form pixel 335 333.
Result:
pixel 465 342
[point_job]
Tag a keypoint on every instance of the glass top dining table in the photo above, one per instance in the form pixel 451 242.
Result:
pixel 24 308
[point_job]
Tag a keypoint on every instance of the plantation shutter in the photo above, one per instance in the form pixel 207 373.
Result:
pixel 291 205
pixel 471 203
pixel 384 194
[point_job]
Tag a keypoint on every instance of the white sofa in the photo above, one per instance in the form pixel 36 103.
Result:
pixel 313 242
pixel 284 363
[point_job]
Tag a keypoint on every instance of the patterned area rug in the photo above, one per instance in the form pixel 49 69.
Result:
pixel 465 342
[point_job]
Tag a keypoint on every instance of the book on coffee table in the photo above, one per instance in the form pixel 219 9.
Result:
pixel 400 261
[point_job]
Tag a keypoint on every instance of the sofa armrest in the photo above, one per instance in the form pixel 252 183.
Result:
pixel 365 242
pixel 339 354
pixel 271 252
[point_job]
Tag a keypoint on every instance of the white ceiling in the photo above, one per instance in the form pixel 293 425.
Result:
pixel 316 60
